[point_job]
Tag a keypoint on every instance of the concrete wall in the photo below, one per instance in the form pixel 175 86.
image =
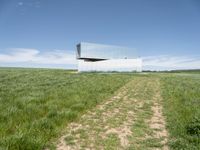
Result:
pixel 120 65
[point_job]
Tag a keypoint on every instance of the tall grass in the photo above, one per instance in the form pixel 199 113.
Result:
pixel 181 95
pixel 36 104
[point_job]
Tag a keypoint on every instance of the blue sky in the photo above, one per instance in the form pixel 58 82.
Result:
pixel 43 33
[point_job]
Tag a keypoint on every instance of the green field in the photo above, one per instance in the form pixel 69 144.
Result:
pixel 36 105
pixel 181 93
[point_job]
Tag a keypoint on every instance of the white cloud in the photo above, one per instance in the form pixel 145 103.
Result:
pixel 23 57
pixel 36 57
pixel 167 62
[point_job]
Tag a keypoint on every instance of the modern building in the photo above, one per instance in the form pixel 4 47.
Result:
pixel 107 58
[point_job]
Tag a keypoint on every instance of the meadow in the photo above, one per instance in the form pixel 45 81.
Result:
pixel 36 105
pixel 181 101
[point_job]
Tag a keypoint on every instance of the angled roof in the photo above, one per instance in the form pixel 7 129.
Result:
pixel 100 51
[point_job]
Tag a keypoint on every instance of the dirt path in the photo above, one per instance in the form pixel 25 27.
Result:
pixel 132 119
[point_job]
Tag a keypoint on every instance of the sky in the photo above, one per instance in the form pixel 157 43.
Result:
pixel 44 33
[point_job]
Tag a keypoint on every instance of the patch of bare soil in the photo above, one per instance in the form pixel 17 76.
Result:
pixel 157 122
pixel 122 132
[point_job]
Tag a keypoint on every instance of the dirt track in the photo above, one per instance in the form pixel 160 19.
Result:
pixel 131 119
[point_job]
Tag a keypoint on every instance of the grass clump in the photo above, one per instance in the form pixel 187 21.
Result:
pixel 69 140
pixel 71 115
pixel 193 127
pixel 78 107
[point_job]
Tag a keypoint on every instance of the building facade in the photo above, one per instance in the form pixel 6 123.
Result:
pixel 107 58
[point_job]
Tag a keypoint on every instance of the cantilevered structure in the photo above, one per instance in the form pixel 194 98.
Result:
pixel 107 58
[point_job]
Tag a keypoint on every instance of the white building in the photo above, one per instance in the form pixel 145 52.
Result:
pixel 107 58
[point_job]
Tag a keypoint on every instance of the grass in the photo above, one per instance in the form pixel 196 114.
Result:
pixel 36 104
pixel 181 93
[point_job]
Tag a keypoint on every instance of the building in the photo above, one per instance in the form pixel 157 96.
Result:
pixel 107 58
